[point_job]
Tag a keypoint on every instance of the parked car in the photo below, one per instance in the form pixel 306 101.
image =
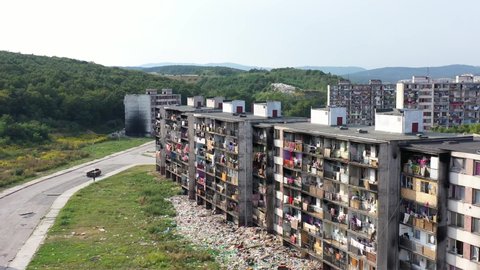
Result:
pixel 94 173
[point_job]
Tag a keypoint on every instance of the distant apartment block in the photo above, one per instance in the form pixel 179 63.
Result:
pixel 140 110
pixel 444 102
pixel 361 100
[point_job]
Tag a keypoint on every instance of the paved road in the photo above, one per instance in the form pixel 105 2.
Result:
pixel 22 210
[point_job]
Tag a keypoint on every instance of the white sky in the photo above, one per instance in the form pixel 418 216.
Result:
pixel 268 33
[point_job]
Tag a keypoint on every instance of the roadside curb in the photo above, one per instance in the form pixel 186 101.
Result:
pixel 36 239
pixel 15 189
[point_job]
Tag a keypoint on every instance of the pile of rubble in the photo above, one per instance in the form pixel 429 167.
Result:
pixel 238 247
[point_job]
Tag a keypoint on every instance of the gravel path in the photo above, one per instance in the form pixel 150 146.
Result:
pixel 238 247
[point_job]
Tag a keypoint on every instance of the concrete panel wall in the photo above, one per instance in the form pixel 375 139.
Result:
pixel 191 156
pixel 245 178
pixel 388 205
pixel 138 115
pixel 389 123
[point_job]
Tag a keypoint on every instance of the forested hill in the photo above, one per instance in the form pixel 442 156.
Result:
pixel 191 69
pixel 41 94
pixel 52 89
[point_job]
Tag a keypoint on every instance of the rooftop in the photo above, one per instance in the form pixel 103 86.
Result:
pixel 369 133
pixel 233 117
pixel 186 108
pixel 471 146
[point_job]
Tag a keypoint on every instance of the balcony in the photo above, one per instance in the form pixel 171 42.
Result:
pixel 420 197
pixel 335 257
pixel 293 146
pixel 417 248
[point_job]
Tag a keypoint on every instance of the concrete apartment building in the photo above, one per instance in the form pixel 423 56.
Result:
pixel 445 102
pixel 174 139
pixel 141 110
pixel 361 100
pixel 355 197
pixel 231 161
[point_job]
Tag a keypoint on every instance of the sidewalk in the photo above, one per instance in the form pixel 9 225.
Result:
pixel 29 248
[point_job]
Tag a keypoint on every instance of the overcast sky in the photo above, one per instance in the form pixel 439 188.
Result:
pixel 268 33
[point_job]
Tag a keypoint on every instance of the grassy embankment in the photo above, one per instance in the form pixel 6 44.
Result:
pixel 22 163
pixel 123 222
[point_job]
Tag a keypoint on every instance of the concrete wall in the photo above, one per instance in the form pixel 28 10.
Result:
pixel 215 102
pixel 397 123
pixel 163 133
pixel 191 156
pixel 328 116
pixel 193 101
pixel 231 106
pixel 389 123
pixel 413 116
pixel 319 116
pixel 266 109
pixel 443 185
pixel 388 205
pixel 245 178
pixel 138 115
pixel 400 97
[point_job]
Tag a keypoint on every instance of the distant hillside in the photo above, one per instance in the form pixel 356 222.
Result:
pixel 335 70
pixel 196 70
pixel 394 74
pixel 54 90
pixel 226 64
pixel 165 68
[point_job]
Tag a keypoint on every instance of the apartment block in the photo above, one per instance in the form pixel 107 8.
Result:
pixel 444 102
pixel 361 100
pixel 337 191
pixel 390 196
pixel 141 110
pixel 231 161
pixel 174 140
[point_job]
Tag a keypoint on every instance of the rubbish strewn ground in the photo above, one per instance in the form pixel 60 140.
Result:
pixel 238 248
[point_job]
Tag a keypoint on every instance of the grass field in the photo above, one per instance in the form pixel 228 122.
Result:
pixel 19 164
pixel 123 222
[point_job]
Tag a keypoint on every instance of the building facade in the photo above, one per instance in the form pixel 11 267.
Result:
pixel 391 196
pixel 361 100
pixel 141 110
pixel 444 102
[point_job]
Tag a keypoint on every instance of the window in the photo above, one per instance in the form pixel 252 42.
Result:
pixel 424 187
pixel 277 169
pixel 456 192
pixel 476 168
pixel 475 225
pixel 474 250
pixel 407 182
pixel 455 219
pixel 476 196
pixel 276 134
pixel 431 239
pixel 416 234
pixel 455 246
pixel 458 164
pixel 277 151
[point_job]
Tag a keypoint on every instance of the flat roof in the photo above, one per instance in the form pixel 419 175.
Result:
pixel 352 134
pixel 466 146
pixel 186 108
pixel 225 116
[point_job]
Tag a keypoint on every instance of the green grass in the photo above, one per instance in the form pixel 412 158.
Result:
pixel 139 228
pixel 19 164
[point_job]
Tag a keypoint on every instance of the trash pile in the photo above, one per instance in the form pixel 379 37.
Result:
pixel 237 247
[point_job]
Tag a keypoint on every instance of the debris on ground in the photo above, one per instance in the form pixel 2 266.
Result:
pixel 237 247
